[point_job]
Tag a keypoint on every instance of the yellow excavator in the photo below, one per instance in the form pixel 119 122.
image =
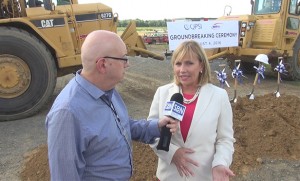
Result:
pixel 271 29
pixel 41 40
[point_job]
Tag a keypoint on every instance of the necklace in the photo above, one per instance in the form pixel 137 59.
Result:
pixel 188 101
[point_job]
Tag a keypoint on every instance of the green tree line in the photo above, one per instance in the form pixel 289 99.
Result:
pixel 144 23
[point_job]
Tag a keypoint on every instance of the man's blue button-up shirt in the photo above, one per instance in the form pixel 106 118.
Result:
pixel 86 141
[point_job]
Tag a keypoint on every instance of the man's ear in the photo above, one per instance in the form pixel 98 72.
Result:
pixel 101 65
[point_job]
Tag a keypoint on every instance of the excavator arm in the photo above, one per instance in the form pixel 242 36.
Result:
pixel 135 44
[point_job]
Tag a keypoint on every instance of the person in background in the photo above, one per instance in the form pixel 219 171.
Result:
pixel 88 127
pixel 202 147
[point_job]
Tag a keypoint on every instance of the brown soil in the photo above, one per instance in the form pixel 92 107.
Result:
pixel 267 129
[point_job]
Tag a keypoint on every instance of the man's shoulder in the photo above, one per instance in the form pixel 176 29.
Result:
pixel 69 94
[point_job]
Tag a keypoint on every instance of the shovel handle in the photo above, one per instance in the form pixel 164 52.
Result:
pixel 235 83
pixel 255 79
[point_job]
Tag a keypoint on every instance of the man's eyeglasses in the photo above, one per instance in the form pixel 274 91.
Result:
pixel 125 59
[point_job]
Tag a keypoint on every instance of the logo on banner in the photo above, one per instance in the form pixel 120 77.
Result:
pixel 197 26
pixel 216 26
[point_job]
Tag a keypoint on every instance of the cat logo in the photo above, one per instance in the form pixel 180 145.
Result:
pixel 48 23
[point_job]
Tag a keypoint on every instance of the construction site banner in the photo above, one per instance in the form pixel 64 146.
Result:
pixel 210 34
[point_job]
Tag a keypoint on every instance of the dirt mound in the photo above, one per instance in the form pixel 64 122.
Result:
pixel 266 128
pixel 36 166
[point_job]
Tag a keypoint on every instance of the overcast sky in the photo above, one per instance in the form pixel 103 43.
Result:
pixel 171 9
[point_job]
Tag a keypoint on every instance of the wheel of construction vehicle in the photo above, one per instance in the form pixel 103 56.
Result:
pixel 293 64
pixel 27 74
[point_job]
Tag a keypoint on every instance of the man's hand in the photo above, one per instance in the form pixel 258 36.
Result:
pixel 170 123
pixel 221 173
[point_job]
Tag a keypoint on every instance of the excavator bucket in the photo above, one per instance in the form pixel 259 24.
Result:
pixel 135 43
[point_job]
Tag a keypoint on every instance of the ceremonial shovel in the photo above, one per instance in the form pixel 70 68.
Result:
pixel 222 77
pixel 261 58
pixel 251 95
pixel 235 84
pixel 277 94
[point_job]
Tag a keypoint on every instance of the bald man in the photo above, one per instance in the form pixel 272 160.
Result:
pixel 88 127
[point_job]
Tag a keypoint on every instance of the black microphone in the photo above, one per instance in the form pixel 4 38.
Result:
pixel 175 110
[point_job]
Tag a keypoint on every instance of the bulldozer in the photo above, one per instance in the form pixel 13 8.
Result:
pixel 272 29
pixel 41 40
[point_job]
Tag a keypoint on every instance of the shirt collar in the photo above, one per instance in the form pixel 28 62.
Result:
pixel 94 91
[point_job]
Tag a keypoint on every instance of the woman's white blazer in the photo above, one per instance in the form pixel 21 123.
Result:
pixel 210 134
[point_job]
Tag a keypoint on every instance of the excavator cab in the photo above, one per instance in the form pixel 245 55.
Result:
pixel 274 6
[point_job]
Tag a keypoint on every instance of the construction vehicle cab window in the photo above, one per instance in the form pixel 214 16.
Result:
pixel 34 3
pixel 294 7
pixel 267 6
pixel 60 2
pixel 41 40
pixel 39 3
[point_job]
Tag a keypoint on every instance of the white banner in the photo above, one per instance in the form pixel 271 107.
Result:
pixel 210 34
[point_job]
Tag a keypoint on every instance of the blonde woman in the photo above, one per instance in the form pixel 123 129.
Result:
pixel 202 148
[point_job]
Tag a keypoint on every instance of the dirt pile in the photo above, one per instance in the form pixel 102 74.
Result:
pixel 266 128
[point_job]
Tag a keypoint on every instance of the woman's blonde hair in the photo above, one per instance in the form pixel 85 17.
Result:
pixel 193 48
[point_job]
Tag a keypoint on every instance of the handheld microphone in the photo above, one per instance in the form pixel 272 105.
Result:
pixel 175 110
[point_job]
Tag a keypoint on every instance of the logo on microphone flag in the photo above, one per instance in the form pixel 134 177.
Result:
pixel 175 110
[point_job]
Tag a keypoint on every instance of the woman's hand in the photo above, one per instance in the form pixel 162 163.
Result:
pixel 221 173
pixel 183 162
